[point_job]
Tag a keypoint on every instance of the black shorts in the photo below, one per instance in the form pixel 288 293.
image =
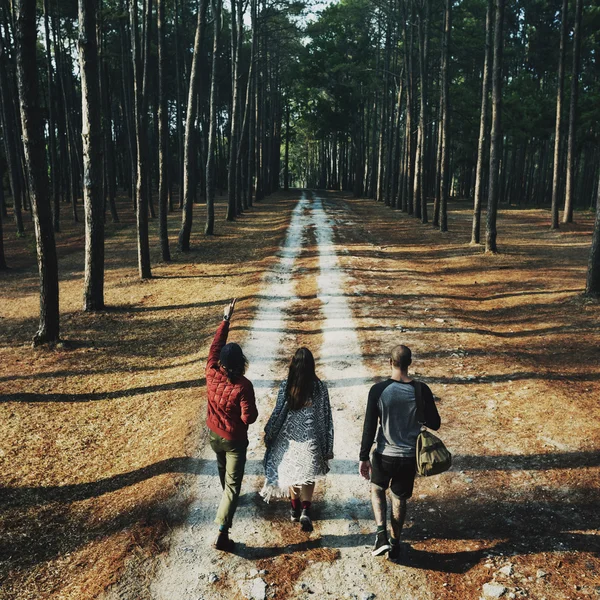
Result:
pixel 400 471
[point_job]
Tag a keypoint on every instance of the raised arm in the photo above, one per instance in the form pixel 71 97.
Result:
pixel 220 338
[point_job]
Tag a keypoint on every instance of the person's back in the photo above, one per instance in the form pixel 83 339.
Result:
pixel 399 425
pixel 230 404
pixel 392 412
pixel 231 408
pixel 299 438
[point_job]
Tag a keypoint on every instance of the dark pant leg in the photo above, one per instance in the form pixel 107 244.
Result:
pixel 235 463
pixel 216 444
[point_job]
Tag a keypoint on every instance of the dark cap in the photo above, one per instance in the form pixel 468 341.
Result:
pixel 231 355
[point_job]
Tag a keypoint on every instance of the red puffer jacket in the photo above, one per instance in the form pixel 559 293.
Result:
pixel 231 406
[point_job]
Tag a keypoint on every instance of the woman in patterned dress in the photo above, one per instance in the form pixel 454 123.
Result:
pixel 299 438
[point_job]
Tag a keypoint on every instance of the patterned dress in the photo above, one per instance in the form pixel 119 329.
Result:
pixel 299 443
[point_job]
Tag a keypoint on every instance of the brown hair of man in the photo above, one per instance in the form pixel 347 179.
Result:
pixel 401 357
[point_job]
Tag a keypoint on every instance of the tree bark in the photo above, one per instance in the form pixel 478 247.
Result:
pixel 67 140
pixel 10 128
pixel 189 180
pixel 140 119
pixel 570 186
pixel 51 125
pixel 236 45
pixel 444 154
pixel 380 191
pixel 179 79
pixel 496 130
pixel 163 135
pixel 33 141
pixel 558 124
pixel 210 153
pixel 592 287
pixel 246 143
pixel 91 133
pixel 286 168
pixel 3 265
pixel 420 193
pixel 482 145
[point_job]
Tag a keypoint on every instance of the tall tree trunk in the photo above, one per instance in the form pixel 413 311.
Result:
pixel 91 133
pixel 236 45
pixel 410 118
pixel 496 131
pixel 570 186
pixel 33 141
pixel 179 79
pixel 380 191
pixel 420 192
pixel 11 135
pixel 395 163
pixel 140 120
pixel 3 265
pixel 109 150
pixel 592 287
pixel 558 124
pixel 210 153
pixel 246 143
pixel 54 179
pixel 163 135
pixel 128 110
pixel 67 140
pixel 482 145
pixel 189 181
pixel 444 154
pixel 286 169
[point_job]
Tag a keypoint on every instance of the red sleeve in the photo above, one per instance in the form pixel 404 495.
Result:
pixel 249 413
pixel 218 342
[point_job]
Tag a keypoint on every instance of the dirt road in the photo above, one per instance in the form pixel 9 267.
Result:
pixel 516 516
pixel 334 560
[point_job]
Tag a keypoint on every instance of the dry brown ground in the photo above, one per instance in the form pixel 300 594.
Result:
pixel 95 438
pixel 512 351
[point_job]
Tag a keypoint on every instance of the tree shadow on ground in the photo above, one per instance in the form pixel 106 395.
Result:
pixel 503 528
pixel 509 520
pixel 38 495
pixel 44 535
pixel 32 397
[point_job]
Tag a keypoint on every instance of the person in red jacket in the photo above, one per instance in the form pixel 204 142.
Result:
pixel 231 408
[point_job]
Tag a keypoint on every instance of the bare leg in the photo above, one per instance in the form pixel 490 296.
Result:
pixel 306 492
pixel 379 505
pixel 398 515
pixel 294 493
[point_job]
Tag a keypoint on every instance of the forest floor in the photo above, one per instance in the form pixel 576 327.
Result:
pixel 105 469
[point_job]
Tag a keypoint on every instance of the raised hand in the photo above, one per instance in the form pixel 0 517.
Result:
pixel 228 310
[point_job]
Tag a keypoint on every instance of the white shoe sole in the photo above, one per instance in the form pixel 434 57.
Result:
pixel 381 550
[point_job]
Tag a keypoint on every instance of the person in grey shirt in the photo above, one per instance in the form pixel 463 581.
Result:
pixel 392 413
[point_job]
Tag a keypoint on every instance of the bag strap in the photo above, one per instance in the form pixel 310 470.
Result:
pixel 420 403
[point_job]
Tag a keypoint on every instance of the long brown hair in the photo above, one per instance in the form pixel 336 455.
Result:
pixel 301 379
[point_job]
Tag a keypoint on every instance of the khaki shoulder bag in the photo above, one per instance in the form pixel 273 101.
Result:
pixel 432 455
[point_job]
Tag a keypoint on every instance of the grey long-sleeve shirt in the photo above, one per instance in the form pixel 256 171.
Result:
pixel 392 404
